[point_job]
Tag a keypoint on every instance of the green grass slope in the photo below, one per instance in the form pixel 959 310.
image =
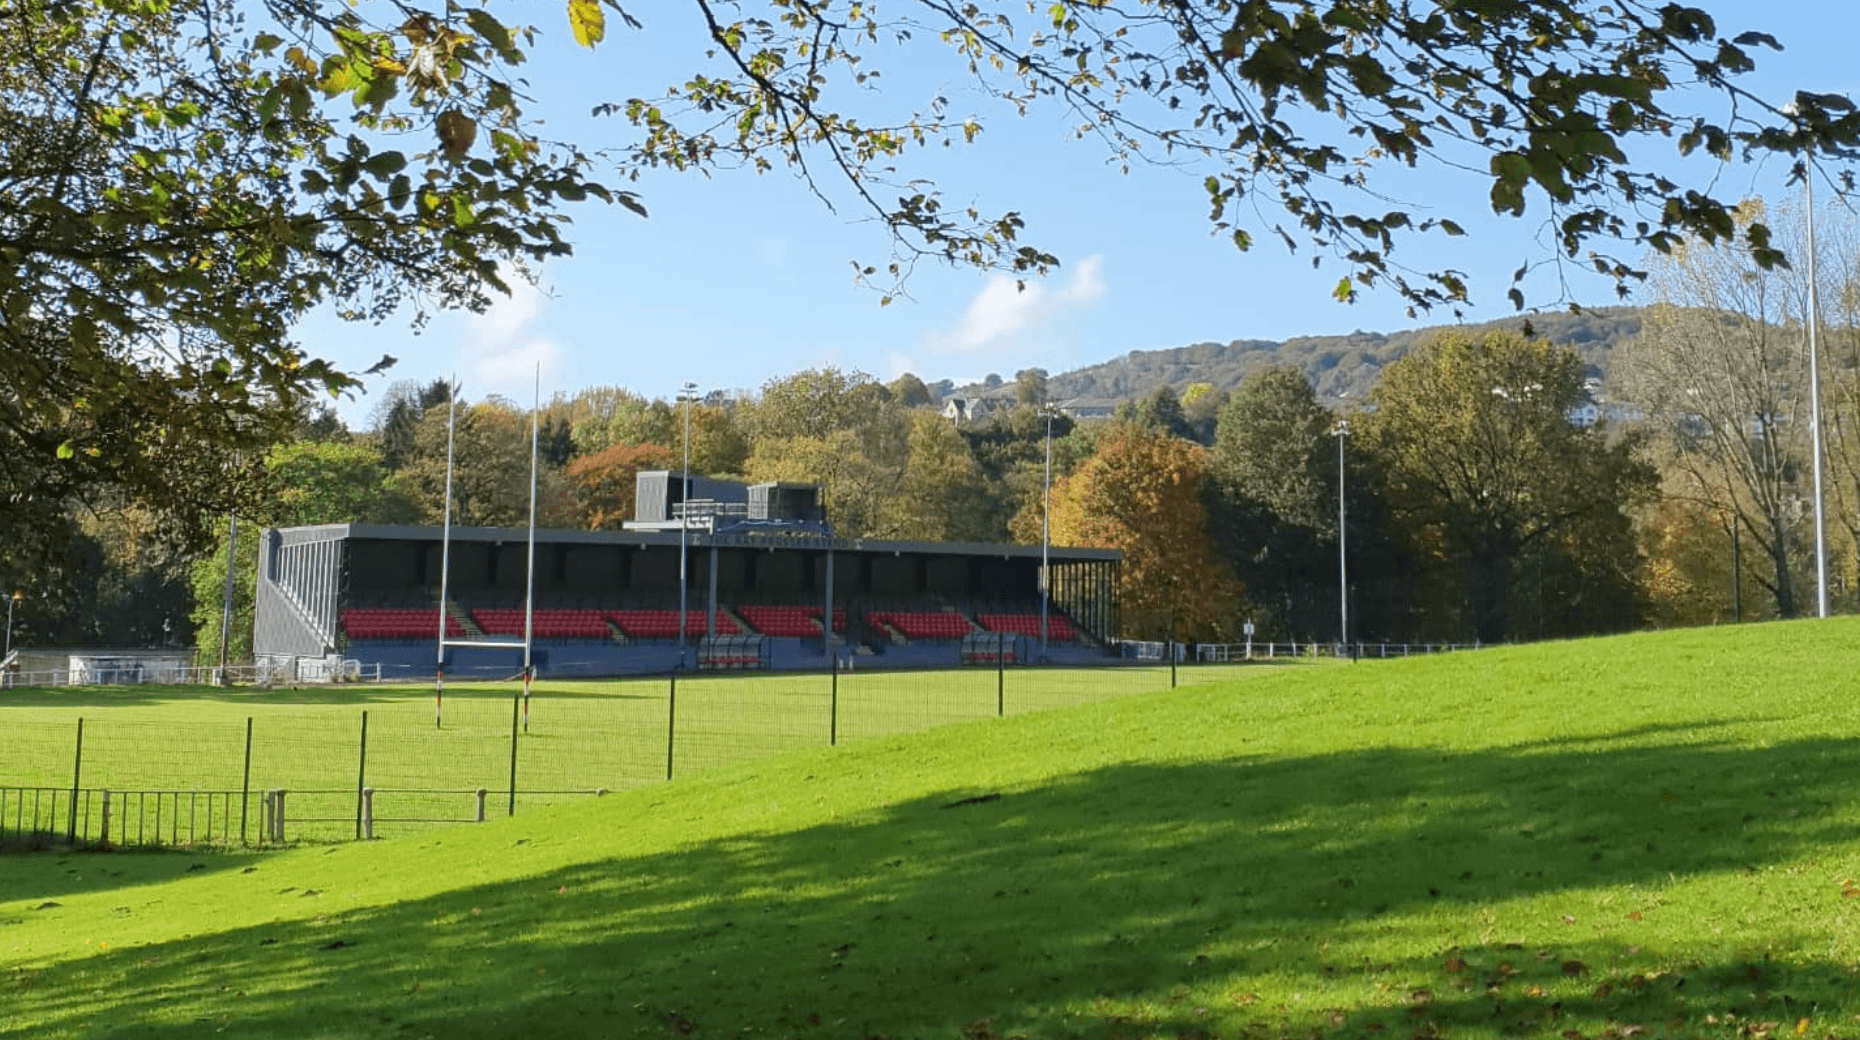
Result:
pixel 1639 837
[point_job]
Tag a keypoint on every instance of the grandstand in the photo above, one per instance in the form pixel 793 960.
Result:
pixel 758 588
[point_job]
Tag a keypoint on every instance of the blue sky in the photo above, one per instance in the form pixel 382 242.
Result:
pixel 736 279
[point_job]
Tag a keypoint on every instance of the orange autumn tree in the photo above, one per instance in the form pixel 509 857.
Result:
pixel 1141 493
pixel 603 483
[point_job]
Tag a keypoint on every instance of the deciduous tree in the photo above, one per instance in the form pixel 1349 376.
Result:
pixel 1483 465
pixel 177 187
pixel 1274 476
pixel 813 403
pixel 490 470
pixel 1721 370
pixel 604 484
pixel 942 494
pixel 1141 492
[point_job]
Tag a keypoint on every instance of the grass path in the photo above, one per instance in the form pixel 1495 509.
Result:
pixel 1640 837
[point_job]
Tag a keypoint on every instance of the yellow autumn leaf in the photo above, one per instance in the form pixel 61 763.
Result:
pixel 588 21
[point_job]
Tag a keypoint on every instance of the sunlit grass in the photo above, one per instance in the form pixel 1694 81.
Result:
pixel 1643 837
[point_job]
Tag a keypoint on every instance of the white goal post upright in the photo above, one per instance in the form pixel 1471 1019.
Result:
pixel 529 566
pixel 445 552
pixel 445 561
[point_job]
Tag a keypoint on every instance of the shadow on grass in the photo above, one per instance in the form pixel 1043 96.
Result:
pixel 1249 897
pixel 51 870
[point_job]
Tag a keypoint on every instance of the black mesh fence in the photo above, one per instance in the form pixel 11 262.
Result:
pixel 389 764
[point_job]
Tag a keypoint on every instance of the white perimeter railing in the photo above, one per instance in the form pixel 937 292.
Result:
pixel 1221 652
pixel 305 670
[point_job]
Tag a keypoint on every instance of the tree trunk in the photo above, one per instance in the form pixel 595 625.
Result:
pixel 1488 585
pixel 1786 606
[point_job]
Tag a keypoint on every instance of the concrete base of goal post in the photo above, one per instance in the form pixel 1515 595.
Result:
pixel 368 814
pixel 481 796
pixel 103 833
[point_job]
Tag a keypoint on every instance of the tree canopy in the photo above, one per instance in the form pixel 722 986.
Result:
pixel 1484 466
pixel 181 180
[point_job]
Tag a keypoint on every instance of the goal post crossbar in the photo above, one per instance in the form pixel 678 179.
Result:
pixel 490 644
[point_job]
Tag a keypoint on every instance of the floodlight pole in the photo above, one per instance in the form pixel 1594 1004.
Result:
pixel 1343 574
pixel 1814 400
pixel 686 394
pixel 226 595
pixel 1814 370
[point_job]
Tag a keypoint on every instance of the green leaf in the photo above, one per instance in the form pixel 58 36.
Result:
pixel 1342 292
pixel 385 164
pixel 65 450
pixel 588 21
pixel 1514 167
pixel 489 29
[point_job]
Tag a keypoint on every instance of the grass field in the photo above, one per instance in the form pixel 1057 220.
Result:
pixel 1652 836
pixel 580 737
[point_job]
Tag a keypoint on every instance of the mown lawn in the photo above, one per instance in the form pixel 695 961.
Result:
pixel 1650 836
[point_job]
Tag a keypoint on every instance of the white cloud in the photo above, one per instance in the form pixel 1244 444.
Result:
pixel 897 364
pixel 509 316
pixel 507 348
pixel 1004 316
pixel 511 371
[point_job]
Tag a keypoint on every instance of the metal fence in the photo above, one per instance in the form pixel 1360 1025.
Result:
pixel 260 674
pixel 1227 652
pixel 291 772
